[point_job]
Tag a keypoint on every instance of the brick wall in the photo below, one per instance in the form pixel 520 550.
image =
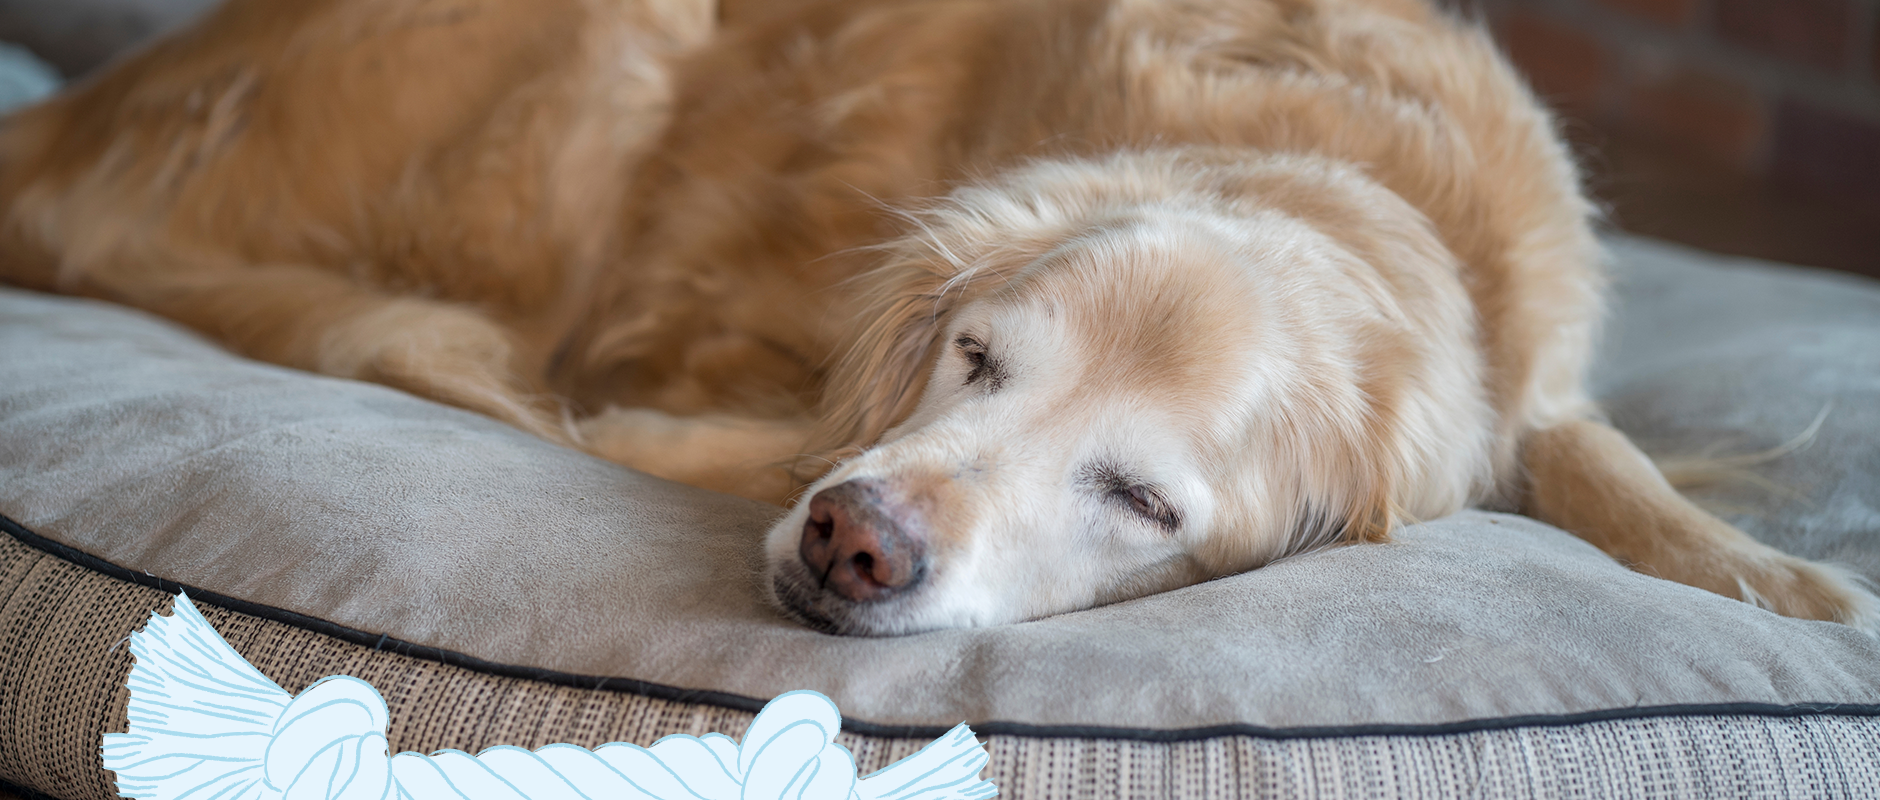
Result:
pixel 1787 89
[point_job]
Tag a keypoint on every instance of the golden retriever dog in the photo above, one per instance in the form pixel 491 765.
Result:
pixel 1053 303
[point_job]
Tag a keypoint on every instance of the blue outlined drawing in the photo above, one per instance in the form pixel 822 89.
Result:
pixel 204 723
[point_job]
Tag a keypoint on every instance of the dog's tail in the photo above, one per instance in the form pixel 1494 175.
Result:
pixel 1686 472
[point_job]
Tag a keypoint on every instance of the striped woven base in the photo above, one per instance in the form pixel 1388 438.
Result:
pixel 63 664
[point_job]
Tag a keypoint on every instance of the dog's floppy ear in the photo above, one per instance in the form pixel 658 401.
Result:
pixel 966 246
pixel 1371 510
pixel 1353 502
pixel 1371 514
pixel 883 366
pixel 906 305
pixel 1353 456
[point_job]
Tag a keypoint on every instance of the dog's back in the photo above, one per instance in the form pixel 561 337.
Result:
pixel 398 191
pixel 488 155
pixel 485 202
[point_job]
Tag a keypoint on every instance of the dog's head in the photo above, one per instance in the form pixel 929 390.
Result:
pixel 1091 381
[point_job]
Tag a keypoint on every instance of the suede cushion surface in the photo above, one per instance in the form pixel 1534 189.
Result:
pixel 129 439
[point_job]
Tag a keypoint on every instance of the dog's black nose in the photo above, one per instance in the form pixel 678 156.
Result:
pixel 862 543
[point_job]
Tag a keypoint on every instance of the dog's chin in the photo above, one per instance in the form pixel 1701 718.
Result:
pixel 798 597
pixel 795 592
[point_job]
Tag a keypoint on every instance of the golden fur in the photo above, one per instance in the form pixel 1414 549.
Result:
pixel 705 241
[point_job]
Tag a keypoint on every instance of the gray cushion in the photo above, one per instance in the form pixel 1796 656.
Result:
pixel 138 443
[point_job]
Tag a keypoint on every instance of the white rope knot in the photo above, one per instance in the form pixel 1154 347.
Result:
pixel 791 746
pixel 204 723
pixel 329 744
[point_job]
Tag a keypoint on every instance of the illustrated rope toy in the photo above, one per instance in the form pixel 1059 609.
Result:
pixel 204 723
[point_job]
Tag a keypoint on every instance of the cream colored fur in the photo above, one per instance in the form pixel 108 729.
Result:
pixel 1295 271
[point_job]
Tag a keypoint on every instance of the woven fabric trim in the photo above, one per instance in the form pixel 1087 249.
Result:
pixel 63 665
pixel 12 791
pixel 1761 757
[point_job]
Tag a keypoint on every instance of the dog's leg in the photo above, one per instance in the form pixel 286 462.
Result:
pixel 1589 479
pixel 327 323
pixel 737 455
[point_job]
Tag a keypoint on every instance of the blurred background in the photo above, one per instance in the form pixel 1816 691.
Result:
pixel 75 36
pixel 1749 127
pixel 1742 126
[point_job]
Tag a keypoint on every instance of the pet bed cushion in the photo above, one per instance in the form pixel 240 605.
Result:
pixel 468 570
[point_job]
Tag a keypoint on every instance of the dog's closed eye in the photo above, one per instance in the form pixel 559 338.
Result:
pixel 1141 499
pixel 1150 506
pixel 983 367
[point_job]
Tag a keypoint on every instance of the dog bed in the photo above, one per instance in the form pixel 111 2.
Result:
pixel 499 590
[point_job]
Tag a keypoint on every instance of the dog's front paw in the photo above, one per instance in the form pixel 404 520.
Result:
pixel 745 457
pixel 634 437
